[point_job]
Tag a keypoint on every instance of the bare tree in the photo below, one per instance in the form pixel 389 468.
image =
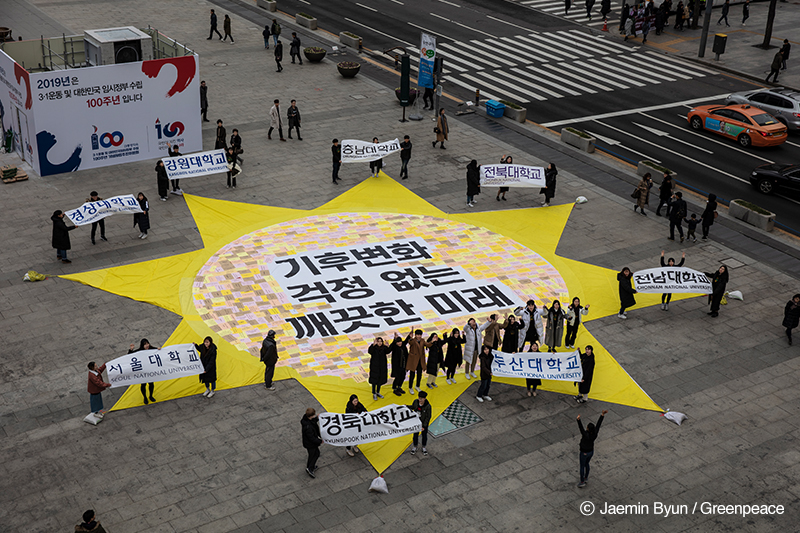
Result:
pixel 770 19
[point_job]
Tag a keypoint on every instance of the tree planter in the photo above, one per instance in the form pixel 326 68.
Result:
pixel 348 69
pixel 514 111
pixel 412 95
pixel 752 214
pixel 583 142
pixel 306 21
pixel 643 167
pixel 349 39
pixel 269 5
pixel 314 54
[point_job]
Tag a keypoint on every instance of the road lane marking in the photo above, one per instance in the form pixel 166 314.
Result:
pixel 631 111
pixel 509 23
pixel 449 3
pixel 365 7
pixel 426 30
pixel 660 133
pixel 614 142
pixel 379 32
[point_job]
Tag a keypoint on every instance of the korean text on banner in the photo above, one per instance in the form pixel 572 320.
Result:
pixel 146 366
pixel 427 55
pixel 512 176
pixel 351 429
pixel 671 279
pixel 193 165
pixel 93 211
pixel 361 289
pixel 560 366
pixel 355 151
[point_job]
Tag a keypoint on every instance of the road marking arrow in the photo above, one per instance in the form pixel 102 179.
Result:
pixel 652 130
pixel 660 133
pixel 607 140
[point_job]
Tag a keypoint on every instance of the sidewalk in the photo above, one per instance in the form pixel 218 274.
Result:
pixel 235 464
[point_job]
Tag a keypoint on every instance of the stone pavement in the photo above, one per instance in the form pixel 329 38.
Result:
pixel 234 463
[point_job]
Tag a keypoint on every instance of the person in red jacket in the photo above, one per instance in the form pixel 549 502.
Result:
pixel 96 387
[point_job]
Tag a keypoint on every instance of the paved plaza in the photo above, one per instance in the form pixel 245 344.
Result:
pixel 234 463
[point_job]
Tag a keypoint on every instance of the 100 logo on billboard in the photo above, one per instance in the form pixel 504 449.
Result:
pixel 170 129
pixel 106 140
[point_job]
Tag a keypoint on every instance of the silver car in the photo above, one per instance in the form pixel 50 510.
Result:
pixel 783 104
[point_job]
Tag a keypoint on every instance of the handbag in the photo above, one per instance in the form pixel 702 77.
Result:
pixel 436 130
pixel 636 193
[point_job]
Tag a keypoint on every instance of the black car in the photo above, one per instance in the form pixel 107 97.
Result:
pixel 768 178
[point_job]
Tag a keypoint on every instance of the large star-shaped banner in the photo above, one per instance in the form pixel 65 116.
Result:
pixel 375 261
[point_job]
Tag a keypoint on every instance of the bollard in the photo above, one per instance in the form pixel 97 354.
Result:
pixel 477 97
pixel 360 44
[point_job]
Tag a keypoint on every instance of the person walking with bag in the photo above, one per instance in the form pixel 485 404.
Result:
pixel 588 436
pixel 60 239
pixel 473 182
pixel 666 297
pixel 441 130
pixel 278 55
pixel 293 115
pixel 719 280
pixel 791 316
pixel 642 193
pixel 626 292
pixel 294 48
pixel 275 30
pixel 226 28
pixel 269 356
pixel 311 439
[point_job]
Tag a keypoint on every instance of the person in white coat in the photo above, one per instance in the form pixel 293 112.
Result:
pixel 473 336
pixel 275 120
pixel 529 315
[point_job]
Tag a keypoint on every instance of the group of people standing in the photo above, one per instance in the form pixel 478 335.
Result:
pixel 474 182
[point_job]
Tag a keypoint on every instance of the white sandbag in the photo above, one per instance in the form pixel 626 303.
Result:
pixel 93 419
pixel 379 485
pixel 675 416
pixel 581 200
pixel 736 295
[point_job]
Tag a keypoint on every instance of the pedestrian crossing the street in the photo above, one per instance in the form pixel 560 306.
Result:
pixel 541 66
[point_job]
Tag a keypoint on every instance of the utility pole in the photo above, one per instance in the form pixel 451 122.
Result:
pixel 770 19
pixel 706 25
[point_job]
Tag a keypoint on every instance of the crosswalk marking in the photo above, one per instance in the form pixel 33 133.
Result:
pixel 561 82
pixel 626 73
pixel 518 46
pixel 491 51
pixel 577 68
pixel 599 70
pixel 520 89
pixel 458 46
pixel 539 42
pixel 533 81
pixel 482 83
pixel 691 68
pixel 657 69
pixel 572 75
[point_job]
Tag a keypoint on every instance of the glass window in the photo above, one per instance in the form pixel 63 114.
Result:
pixel 725 113
pixel 761 98
pixel 777 101
pixel 764 119
pixel 739 117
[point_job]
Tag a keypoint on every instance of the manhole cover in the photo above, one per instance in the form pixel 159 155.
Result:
pixel 455 417
pixel 220 64
pixel 357 96
pixel 462 159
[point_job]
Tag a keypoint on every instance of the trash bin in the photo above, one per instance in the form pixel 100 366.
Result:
pixel 720 39
pixel 494 108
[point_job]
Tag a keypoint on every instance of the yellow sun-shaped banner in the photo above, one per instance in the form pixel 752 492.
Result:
pixel 255 273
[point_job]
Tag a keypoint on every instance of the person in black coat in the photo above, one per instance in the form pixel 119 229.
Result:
pixel 791 316
pixel 473 182
pixel 269 356
pixel 626 292
pixel 294 49
pixel 399 357
pixel 378 374
pixel 145 345
pixel 709 213
pixel 142 219
pixel 162 180
pixel 511 335
pixel 665 194
pixel 533 383
pixel 605 8
pixel 719 280
pixel 204 101
pixel 293 116
pixel 354 406
pixel 61 236
pixel 278 55
pixel 587 364
pixel 221 140
pixel 454 356
pixel 549 190
pixel 208 356
pixel 677 212
pixel 311 439
pixel 435 359
pixel 376 165
pixel 588 436
pixel 666 297
pixel 336 151
pixel 266 33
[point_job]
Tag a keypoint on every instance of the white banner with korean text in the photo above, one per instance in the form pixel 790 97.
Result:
pixel 145 366
pixel 354 150
pixel 559 366
pixel 93 211
pixel 671 279
pixel 193 165
pixel 351 429
pixel 367 291
pixel 512 176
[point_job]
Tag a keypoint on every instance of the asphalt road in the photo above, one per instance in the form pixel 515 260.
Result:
pixel 563 72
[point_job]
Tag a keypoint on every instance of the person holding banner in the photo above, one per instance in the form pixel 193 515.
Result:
pixel 399 359
pixel 60 239
pixel 533 383
pixel 145 345
pixel 356 407
pixel 233 167
pixel 93 197
pixel 574 312
pixel 311 439
pixel 176 184
pixel 719 280
pixel 162 180
pixel 791 316
pixel 666 297
pixel 504 160
pixel 377 367
pixel 473 340
pixel 587 364
pixel 441 130
pixel 531 324
pixel 336 150
pixel 588 436
pixel 416 358
pixel 208 356
pixel 142 219
pixel 473 182
pixel 95 388
pixel 423 408
pixel 486 358
pixel 453 358
pixel 405 156
pixel 554 331
pixel 549 190
pixel 626 292
pixel 375 165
